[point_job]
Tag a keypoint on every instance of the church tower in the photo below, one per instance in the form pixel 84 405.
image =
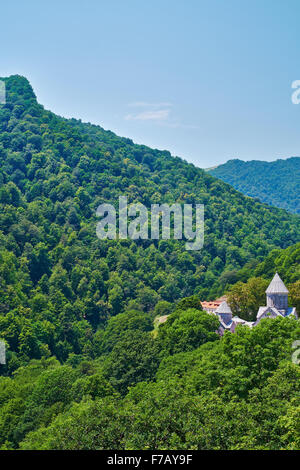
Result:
pixel 224 312
pixel 277 294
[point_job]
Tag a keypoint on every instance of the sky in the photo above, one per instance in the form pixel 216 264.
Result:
pixel 207 80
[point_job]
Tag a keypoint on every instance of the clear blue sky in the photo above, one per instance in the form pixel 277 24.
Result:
pixel 207 80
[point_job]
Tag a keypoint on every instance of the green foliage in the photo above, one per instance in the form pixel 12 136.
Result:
pixel 239 392
pixel 246 298
pixel 189 302
pixel 163 308
pixel 87 425
pixel 118 326
pixel 133 359
pixel 187 330
pixel 95 386
pixel 285 262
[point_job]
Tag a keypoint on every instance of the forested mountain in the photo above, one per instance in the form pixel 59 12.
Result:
pixel 276 183
pixel 55 172
pixel 77 313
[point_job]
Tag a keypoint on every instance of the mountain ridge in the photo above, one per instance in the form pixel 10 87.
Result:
pixel 276 183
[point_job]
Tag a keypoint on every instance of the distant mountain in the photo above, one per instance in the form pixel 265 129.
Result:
pixel 275 183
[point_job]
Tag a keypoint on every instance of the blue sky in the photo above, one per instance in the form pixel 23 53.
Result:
pixel 207 80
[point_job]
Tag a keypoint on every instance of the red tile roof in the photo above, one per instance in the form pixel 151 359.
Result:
pixel 214 304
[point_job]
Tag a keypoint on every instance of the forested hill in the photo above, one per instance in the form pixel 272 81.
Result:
pixel 59 282
pixel 276 183
pixel 285 262
pixel 84 367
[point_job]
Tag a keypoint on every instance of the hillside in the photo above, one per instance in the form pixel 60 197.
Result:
pixel 276 183
pixel 285 262
pixel 76 313
pixel 54 174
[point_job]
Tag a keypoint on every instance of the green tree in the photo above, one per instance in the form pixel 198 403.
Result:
pixel 187 330
pixel 246 298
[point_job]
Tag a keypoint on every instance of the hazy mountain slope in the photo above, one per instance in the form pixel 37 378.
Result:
pixel 276 183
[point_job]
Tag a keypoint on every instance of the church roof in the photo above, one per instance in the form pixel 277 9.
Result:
pixel 271 310
pixel 223 308
pixel 276 286
pixel 291 311
pixel 241 321
pixel 226 326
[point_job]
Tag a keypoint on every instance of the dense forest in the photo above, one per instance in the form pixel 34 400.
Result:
pixel 86 369
pixel 276 183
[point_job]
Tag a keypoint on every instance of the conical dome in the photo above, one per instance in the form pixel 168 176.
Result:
pixel 276 286
pixel 224 308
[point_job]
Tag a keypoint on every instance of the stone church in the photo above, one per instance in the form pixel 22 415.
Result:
pixel 277 306
pixel 277 302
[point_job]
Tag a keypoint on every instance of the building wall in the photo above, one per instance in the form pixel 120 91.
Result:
pixel 226 317
pixel 280 301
